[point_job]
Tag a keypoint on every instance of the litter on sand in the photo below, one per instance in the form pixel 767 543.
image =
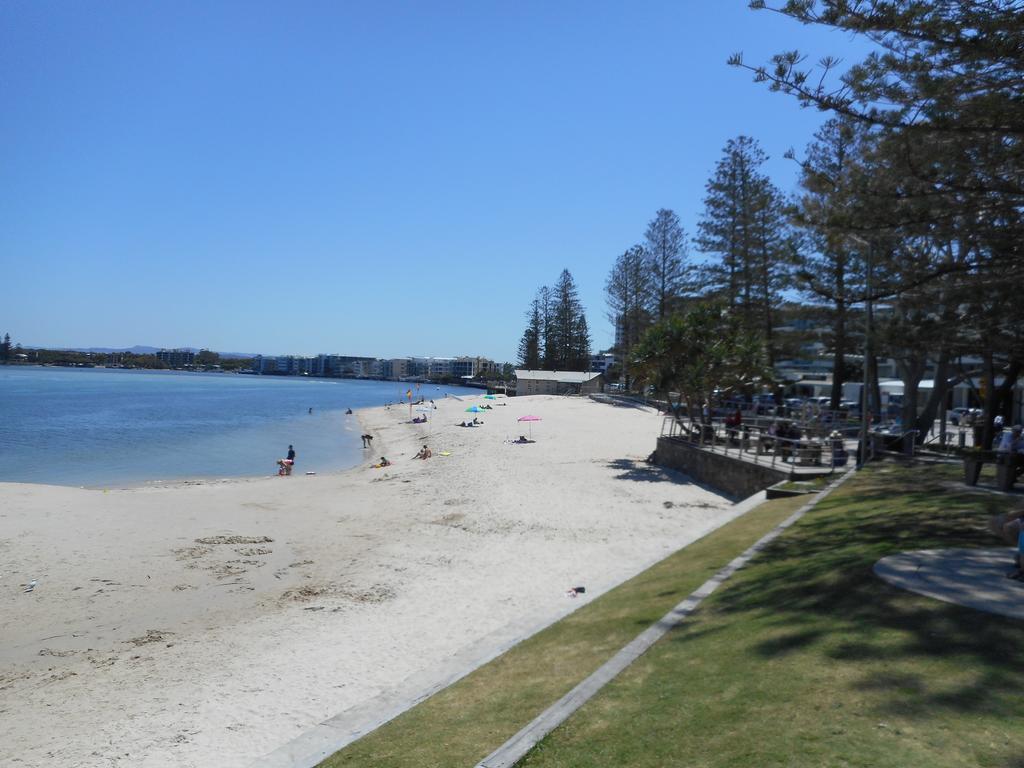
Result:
pixel 311 473
pixel 444 453
pixel 31 585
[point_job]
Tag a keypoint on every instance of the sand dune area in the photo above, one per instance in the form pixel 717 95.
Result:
pixel 210 623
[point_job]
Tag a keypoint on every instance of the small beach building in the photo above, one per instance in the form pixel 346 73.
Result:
pixel 558 382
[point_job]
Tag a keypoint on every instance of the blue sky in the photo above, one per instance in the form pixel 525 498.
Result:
pixel 384 179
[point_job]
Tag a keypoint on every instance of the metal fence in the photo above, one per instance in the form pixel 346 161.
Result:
pixel 762 442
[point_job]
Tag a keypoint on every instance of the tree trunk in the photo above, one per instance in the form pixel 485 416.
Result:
pixel 1003 401
pixel 989 381
pixel 937 398
pixel 911 369
pixel 839 357
pixel 876 390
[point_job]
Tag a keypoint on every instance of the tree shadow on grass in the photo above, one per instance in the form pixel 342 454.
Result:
pixel 818 577
pixel 777 646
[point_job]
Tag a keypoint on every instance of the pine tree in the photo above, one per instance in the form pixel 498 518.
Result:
pixel 628 293
pixel 529 345
pixel 570 337
pixel 666 259
pixel 545 304
pixel 744 225
pixel 5 347
pixel 829 267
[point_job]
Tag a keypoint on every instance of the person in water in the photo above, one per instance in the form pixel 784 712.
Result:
pixel 291 454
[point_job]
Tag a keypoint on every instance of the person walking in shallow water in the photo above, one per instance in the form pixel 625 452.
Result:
pixel 367 441
pixel 291 454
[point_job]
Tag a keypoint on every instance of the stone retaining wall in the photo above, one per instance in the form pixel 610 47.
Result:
pixel 733 477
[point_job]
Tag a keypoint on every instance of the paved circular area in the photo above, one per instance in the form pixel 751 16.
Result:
pixel 975 578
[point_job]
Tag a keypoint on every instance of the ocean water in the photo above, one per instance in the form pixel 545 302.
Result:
pixel 99 427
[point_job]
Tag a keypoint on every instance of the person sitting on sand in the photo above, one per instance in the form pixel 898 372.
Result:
pixel 522 439
pixel 284 467
pixel 424 453
pixel 476 421
pixel 382 463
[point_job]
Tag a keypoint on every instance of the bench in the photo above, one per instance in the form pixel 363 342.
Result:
pixel 809 453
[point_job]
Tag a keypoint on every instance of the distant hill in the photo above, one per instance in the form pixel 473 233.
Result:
pixel 136 350
pixel 140 349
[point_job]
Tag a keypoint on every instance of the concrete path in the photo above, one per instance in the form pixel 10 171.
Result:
pixel 975 578
pixel 516 748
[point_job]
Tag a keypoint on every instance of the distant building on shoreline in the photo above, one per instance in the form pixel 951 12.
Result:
pixel 177 358
pixel 343 366
pixel 530 382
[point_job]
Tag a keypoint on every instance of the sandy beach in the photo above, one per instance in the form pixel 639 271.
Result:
pixel 210 623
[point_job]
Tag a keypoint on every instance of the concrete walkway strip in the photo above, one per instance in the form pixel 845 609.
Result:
pixel 516 748
pixel 312 747
pixel 975 578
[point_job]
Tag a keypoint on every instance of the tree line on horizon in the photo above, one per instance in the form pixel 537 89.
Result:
pixel 904 236
pixel 7 349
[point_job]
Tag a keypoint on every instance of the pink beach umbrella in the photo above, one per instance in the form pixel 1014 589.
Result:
pixel 530 419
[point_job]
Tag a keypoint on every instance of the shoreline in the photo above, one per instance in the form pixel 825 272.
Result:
pixel 216 622
pixel 182 482
pixel 67 430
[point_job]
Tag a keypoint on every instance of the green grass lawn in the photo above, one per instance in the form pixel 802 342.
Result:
pixel 464 723
pixel 805 658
